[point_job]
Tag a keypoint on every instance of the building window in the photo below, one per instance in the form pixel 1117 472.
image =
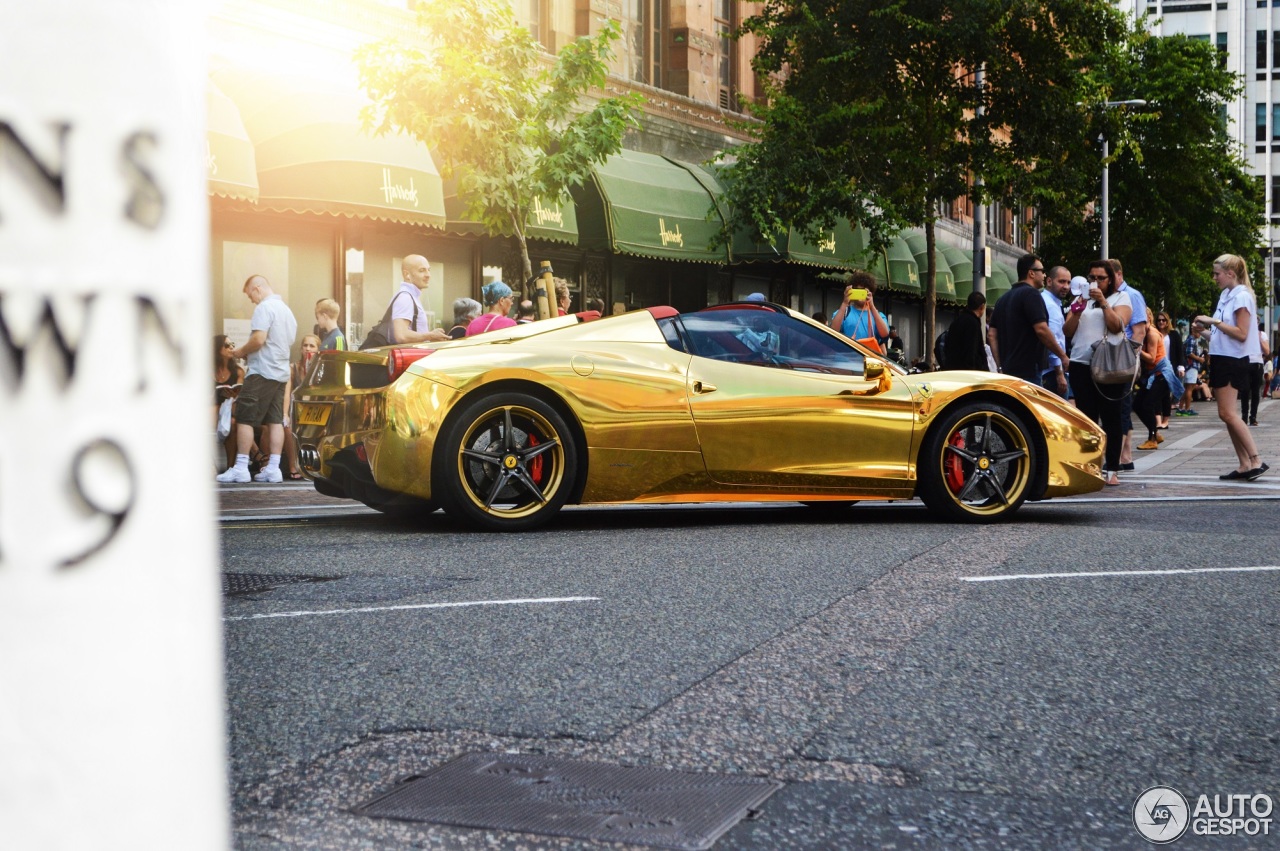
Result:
pixel 1275 49
pixel 724 27
pixel 1260 60
pixel 1222 49
pixel 656 25
pixel 1260 123
pixel 1275 196
pixel 536 15
pixel 641 48
pixel 1275 121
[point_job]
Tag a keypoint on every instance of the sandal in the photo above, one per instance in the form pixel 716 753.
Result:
pixel 295 475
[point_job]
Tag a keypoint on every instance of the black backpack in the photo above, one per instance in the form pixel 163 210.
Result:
pixel 382 333
pixel 940 349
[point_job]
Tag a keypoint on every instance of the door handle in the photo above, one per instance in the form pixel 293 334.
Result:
pixel 703 387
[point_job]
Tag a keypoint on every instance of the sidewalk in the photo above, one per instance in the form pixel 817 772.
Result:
pixel 1195 452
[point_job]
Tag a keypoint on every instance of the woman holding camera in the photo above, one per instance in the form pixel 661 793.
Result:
pixel 857 317
pixel 1101 315
pixel 1234 339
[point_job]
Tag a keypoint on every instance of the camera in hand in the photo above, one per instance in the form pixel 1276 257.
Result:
pixel 1079 287
pixel 857 294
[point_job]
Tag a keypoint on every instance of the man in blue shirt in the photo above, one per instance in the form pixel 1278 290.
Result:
pixel 1056 285
pixel 261 399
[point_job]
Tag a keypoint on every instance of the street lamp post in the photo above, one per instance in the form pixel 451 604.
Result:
pixel 1106 154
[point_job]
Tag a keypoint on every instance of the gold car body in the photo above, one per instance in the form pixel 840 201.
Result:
pixel 661 425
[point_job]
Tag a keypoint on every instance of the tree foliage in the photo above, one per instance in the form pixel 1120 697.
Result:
pixel 1181 192
pixel 476 88
pixel 872 111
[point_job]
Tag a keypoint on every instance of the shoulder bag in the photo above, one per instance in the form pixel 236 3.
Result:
pixel 382 333
pixel 1114 361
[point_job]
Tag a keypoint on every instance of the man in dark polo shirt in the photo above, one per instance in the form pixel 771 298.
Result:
pixel 1020 324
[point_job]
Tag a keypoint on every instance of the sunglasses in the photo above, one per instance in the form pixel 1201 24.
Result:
pixel 1098 278
pixel 228 345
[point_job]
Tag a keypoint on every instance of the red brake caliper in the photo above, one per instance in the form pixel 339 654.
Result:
pixel 535 466
pixel 952 467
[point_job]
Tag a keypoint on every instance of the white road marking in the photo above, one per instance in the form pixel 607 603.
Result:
pixel 527 601
pixel 1194 439
pixel 1145 461
pixel 1171 572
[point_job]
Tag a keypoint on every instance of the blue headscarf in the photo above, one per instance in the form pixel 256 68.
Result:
pixel 494 292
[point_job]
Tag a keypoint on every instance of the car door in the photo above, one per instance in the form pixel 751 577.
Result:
pixel 779 402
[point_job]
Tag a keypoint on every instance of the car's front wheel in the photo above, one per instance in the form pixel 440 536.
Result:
pixel 505 463
pixel 977 464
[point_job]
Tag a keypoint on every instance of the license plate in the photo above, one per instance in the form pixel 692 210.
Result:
pixel 316 415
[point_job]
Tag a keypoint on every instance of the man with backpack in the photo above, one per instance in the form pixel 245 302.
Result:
pixel 406 319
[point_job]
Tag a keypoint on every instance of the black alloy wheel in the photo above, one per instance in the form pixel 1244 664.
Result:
pixel 977 465
pixel 505 463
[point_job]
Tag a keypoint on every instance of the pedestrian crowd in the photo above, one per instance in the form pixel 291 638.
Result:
pixel 251 402
pixel 1062 332
pixel 1093 340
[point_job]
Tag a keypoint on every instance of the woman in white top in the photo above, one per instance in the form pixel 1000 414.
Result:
pixel 1234 338
pixel 1105 313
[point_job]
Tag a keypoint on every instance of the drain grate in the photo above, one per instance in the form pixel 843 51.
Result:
pixel 252 583
pixel 583 800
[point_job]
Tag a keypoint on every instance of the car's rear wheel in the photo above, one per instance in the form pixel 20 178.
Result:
pixel 977 465
pixel 505 463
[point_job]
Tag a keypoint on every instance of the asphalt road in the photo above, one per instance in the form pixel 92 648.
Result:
pixel 850 656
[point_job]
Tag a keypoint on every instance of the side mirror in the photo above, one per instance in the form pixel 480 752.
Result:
pixel 875 370
pixel 879 372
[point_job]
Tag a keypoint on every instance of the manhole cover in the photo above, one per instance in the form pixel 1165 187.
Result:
pixel 250 583
pixel 583 800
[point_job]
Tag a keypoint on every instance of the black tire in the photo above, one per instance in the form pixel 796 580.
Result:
pixel 504 463
pixel 977 465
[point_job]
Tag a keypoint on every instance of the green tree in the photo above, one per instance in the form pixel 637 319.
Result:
pixel 502 118
pixel 872 111
pixel 1181 192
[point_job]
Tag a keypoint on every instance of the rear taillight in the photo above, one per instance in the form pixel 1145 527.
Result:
pixel 399 361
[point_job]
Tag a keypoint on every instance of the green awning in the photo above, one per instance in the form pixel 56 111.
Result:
pixel 556 222
pixel 961 265
pixel 878 266
pixel 837 247
pixel 230 169
pixel 648 206
pixel 904 274
pixel 313 156
pixel 998 283
pixel 944 280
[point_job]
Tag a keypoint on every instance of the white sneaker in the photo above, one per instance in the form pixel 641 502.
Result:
pixel 233 474
pixel 266 474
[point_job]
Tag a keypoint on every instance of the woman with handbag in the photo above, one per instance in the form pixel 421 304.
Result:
pixel 1095 323
pixel 1234 338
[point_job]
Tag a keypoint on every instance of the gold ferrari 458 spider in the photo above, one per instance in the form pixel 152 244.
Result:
pixel 742 402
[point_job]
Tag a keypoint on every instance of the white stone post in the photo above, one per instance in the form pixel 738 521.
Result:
pixel 111 721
